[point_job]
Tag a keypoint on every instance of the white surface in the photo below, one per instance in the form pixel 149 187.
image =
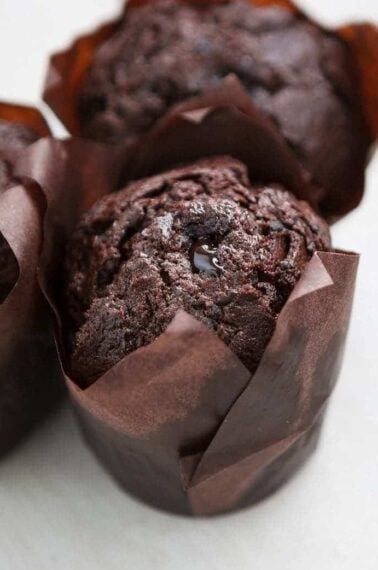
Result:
pixel 60 511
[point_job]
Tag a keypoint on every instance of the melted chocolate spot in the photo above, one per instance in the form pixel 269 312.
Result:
pixel 203 258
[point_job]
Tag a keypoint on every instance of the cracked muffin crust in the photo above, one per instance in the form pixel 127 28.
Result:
pixel 199 238
pixel 299 75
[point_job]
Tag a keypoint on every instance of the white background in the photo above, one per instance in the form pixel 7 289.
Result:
pixel 58 509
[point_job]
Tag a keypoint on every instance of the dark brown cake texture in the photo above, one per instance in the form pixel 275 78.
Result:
pixel 299 75
pixel 199 238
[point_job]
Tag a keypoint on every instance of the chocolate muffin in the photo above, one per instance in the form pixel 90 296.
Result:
pixel 299 75
pixel 13 138
pixel 199 238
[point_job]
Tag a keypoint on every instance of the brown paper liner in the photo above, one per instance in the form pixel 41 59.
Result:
pixel 66 71
pixel 23 115
pixel 68 67
pixel 363 41
pixel 29 368
pixel 29 371
pixel 224 121
pixel 180 423
pixel 150 418
pixel 27 116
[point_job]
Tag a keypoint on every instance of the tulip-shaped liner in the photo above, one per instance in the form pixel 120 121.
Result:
pixel 181 423
pixel 29 368
pixel 67 69
pixel 148 417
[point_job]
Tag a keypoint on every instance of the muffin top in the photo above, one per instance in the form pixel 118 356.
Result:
pixel 199 238
pixel 298 74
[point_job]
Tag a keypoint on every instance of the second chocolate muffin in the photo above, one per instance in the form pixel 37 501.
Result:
pixel 198 238
pixel 298 74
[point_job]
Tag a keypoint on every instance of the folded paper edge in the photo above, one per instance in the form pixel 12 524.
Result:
pixel 300 290
pixel 87 396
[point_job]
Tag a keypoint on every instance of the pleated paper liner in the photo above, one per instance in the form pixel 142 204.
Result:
pixel 29 368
